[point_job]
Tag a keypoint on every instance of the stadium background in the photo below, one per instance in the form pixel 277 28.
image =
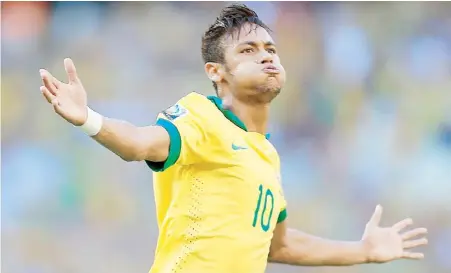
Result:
pixel 364 119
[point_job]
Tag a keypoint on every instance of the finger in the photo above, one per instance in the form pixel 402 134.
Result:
pixel 47 79
pixel 402 224
pixel 412 255
pixel 71 71
pixel 415 243
pixel 56 104
pixel 48 96
pixel 57 83
pixel 414 233
pixel 376 218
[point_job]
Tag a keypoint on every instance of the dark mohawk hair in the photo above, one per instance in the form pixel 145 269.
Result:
pixel 231 19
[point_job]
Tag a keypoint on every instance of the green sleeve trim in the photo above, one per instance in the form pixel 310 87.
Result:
pixel 175 146
pixel 282 216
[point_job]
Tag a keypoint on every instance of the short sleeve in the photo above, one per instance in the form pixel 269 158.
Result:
pixel 283 207
pixel 186 135
pixel 283 211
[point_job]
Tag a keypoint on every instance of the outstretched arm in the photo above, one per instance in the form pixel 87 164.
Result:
pixel 131 143
pixel 295 247
pixel 134 143
pixel 378 245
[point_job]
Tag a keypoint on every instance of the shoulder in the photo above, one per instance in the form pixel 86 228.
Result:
pixel 189 127
pixel 194 99
pixel 196 103
pixel 194 107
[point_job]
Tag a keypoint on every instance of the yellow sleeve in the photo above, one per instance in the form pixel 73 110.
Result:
pixel 283 209
pixel 283 212
pixel 186 134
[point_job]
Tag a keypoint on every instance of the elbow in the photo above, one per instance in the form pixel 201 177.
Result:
pixel 152 153
pixel 131 155
pixel 278 256
pixel 287 255
pixel 146 147
pixel 127 158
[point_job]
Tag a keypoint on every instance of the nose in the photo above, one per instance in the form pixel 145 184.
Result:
pixel 266 58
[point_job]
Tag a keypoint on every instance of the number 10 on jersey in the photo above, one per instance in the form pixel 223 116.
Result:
pixel 268 204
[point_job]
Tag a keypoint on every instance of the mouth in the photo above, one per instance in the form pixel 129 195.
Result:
pixel 270 69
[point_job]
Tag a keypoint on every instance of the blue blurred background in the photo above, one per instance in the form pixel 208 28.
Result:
pixel 365 118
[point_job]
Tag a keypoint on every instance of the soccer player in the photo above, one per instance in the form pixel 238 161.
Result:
pixel 220 206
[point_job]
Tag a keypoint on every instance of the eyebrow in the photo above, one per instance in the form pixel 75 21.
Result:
pixel 252 43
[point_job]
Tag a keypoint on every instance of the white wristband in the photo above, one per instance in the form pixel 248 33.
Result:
pixel 93 123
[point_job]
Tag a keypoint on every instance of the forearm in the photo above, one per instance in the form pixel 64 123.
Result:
pixel 130 142
pixel 305 249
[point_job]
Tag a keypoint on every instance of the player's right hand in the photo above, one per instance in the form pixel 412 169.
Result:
pixel 69 100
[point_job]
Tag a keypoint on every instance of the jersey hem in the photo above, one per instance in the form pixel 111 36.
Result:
pixel 175 147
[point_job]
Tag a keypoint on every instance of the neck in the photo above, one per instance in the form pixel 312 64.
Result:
pixel 254 116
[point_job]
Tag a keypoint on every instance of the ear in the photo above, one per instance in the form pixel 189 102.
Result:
pixel 214 72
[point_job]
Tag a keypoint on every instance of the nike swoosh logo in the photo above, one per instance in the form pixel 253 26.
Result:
pixel 236 148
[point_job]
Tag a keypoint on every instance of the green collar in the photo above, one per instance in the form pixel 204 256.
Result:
pixel 229 114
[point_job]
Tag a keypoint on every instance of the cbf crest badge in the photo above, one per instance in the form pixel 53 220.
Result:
pixel 175 111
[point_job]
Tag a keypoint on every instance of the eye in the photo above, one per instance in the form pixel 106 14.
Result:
pixel 247 50
pixel 271 50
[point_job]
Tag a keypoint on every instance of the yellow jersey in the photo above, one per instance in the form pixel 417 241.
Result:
pixel 218 195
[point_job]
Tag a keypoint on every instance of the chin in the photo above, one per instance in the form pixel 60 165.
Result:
pixel 266 93
pixel 272 85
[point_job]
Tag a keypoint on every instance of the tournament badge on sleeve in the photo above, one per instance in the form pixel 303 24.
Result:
pixel 175 111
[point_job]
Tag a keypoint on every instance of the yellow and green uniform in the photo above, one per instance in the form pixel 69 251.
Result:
pixel 218 195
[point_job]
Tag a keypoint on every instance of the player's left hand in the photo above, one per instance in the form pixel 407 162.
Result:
pixel 384 244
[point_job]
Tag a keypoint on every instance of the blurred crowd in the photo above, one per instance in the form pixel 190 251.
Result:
pixel 365 118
